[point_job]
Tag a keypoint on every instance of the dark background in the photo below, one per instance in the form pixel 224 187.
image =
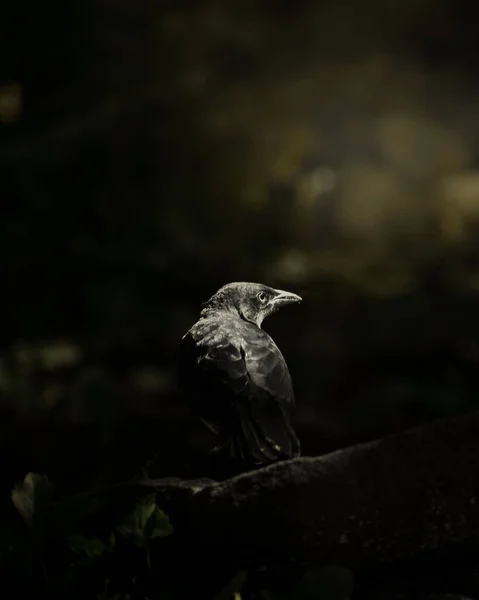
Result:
pixel 152 151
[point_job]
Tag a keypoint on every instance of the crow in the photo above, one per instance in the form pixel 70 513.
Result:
pixel 235 378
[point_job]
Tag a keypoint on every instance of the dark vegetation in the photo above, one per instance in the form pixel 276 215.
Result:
pixel 151 152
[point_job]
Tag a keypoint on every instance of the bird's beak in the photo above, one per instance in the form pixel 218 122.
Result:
pixel 283 298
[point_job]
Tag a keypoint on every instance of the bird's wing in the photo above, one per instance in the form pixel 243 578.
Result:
pixel 265 414
pixel 267 369
pixel 241 387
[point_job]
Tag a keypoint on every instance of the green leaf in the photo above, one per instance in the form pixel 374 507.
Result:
pixel 31 497
pixel 145 522
pixel 325 583
pixel 92 547
pixel 233 588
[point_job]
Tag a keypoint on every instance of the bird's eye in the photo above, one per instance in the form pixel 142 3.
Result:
pixel 262 297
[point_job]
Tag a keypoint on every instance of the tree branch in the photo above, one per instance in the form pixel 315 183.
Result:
pixel 372 503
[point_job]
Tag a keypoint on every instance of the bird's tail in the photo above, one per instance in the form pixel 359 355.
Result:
pixel 263 434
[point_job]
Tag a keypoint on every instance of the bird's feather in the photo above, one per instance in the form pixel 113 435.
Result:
pixel 238 382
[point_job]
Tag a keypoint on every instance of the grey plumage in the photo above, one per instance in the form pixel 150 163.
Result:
pixel 235 377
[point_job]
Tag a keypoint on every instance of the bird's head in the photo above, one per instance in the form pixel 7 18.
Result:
pixel 253 302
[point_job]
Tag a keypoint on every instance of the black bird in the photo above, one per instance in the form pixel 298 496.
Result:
pixel 235 377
